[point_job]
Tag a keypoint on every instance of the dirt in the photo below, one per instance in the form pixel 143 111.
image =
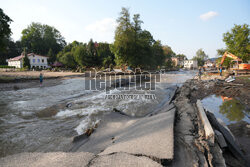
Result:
pixel 239 89
pixel 32 74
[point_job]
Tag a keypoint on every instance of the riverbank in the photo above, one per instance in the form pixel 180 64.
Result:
pixel 162 132
pixel 30 79
pixel 122 124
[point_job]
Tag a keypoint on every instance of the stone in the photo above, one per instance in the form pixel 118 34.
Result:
pixel 209 133
pixel 220 139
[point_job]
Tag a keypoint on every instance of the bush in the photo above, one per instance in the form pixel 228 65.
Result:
pixel 6 66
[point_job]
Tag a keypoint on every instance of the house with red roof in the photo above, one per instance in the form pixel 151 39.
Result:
pixel 36 61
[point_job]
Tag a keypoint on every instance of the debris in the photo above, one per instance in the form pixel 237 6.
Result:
pixel 232 145
pixel 230 79
pixel 68 105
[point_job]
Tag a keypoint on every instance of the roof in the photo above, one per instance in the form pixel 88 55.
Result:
pixel 31 54
pixel 57 64
pixel 16 58
pixel 22 56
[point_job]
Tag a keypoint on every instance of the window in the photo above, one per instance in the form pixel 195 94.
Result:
pixel 34 60
pixel 42 60
pixel 38 60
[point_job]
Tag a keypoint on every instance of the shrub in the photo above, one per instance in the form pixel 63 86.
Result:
pixel 6 66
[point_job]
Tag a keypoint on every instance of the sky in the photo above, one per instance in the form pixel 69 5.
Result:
pixel 184 25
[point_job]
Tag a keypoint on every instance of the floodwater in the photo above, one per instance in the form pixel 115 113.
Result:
pixel 229 110
pixel 47 118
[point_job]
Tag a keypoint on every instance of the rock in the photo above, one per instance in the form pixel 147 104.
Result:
pixel 209 133
pixel 68 105
pixel 220 138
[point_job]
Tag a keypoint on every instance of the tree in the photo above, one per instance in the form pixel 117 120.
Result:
pixel 5 30
pixel 221 51
pixel 82 56
pixel 105 56
pixel 12 49
pixel 68 60
pixel 237 41
pixel 52 56
pixel 123 38
pixel 181 57
pixel 158 53
pixel 39 38
pixel 26 60
pixel 201 57
pixel 133 46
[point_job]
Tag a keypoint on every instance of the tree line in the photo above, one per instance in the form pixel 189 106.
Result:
pixel 132 46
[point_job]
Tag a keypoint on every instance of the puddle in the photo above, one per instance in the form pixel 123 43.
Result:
pixel 230 110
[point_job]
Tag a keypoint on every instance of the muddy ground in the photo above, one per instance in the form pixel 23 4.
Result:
pixel 240 89
pixel 199 89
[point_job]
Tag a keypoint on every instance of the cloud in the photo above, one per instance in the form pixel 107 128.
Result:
pixel 101 30
pixel 208 15
pixel 106 25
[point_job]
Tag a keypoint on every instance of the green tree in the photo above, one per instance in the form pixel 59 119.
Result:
pixel 201 57
pixel 82 57
pixel 107 61
pixel 5 30
pixel 221 51
pixel 26 60
pixel 123 44
pixel 227 62
pixel 92 54
pixel 105 56
pixel 158 54
pixel 135 47
pixel 52 56
pixel 237 41
pixel 12 49
pixel 181 57
pixel 39 38
pixel 68 60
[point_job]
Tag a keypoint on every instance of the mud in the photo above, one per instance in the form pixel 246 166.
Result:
pixel 195 89
pixel 240 89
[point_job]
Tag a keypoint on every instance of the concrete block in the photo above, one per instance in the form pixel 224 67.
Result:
pixel 209 133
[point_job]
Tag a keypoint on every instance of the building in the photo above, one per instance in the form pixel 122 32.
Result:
pixel 191 64
pixel 177 62
pixel 36 61
pixel 210 63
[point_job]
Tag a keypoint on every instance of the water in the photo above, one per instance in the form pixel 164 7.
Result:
pixel 230 110
pixel 38 119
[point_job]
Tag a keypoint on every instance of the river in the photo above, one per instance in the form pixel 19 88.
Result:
pixel 47 118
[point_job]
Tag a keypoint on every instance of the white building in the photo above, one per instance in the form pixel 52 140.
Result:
pixel 36 61
pixel 191 64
